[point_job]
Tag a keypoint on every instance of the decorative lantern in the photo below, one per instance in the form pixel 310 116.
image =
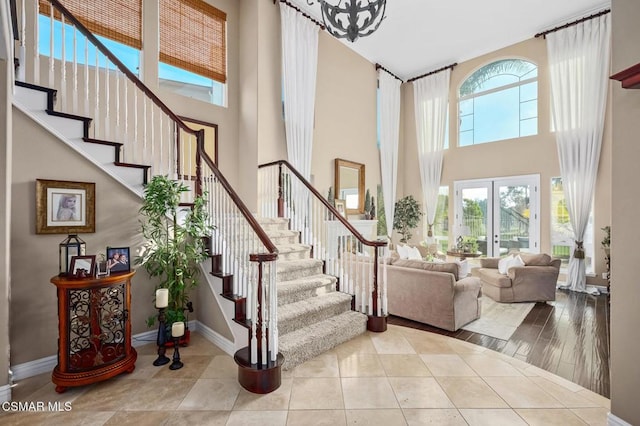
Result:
pixel 71 246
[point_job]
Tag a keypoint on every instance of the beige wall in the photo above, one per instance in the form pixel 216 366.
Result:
pixel 625 315
pixel 34 257
pixel 345 116
pixel 5 214
pixel 530 155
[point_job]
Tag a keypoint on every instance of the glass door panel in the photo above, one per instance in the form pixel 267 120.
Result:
pixel 501 215
pixel 513 219
pixel 474 218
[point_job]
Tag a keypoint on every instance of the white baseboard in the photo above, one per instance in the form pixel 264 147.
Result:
pixel 216 338
pixel 5 393
pixel 35 367
pixel 616 421
pixel 47 364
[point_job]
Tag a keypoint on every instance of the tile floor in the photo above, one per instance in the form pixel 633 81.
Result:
pixel 401 377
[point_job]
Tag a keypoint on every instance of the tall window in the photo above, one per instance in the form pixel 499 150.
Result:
pixel 117 24
pixel 193 51
pixel 499 101
pixel 562 232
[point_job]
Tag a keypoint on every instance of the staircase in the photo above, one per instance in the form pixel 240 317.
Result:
pixel 277 286
pixel 312 316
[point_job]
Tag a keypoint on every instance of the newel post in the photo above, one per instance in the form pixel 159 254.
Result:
pixel 376 322
pixel 280 192
pixel 259 371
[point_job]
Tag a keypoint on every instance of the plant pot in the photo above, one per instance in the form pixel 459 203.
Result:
pixel 182 341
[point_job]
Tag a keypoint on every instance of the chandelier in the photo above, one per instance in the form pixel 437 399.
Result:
pixel 351 19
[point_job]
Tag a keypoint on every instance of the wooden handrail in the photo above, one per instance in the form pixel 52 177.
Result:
pixel 200 152
pixel 106 52
pixel 264 238
pixel 332 209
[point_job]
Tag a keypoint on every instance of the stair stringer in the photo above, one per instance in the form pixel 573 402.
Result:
pixel 74 139
pixel 240 332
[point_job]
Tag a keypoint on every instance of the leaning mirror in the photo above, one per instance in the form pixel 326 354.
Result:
pixel 349 183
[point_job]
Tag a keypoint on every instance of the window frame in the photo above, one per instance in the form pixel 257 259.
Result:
pixel 521 82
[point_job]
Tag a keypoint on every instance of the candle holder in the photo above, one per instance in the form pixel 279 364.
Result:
pixel 176 364
pixel 161 340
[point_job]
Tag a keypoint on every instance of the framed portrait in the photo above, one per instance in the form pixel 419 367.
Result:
pixel 82 266
pixel 64 207
pixel 188 151
pixel 118 259
pixel 340 206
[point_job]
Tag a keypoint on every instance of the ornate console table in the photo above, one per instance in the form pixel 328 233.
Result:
pixel 94 329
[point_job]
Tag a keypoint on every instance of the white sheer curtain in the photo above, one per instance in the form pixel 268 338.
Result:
pixel 579 69
pixel 389 104
pixel 299 67
pixel 431 99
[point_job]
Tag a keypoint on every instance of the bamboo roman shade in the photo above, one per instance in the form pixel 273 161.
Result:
pixel 119 20
pixel 192 37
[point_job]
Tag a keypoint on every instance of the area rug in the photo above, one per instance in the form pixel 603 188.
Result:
pixel 499 320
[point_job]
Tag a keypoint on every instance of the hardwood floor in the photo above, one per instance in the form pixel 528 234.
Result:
pixel 568 337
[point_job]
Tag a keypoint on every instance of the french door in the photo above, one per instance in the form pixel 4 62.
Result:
pixel 500 214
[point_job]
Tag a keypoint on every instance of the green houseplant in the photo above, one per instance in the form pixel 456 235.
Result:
pixel 606 241
pixel 406 217
pixel 174 244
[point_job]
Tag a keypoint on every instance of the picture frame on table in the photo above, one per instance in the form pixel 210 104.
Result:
pixel 65 207
pixel 82 266
pixel 118 259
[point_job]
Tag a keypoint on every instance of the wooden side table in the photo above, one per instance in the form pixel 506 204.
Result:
pixel 463 255
pixel 94 327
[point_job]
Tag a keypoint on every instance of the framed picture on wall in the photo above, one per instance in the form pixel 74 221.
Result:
pixel 64 207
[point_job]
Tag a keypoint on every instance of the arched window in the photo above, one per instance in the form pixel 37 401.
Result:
pixel 499 101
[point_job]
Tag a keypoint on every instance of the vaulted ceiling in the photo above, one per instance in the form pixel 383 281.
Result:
pixel 418 36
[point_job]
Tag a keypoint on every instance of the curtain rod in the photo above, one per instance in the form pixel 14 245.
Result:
pixel 432 72
pixel 380 67
pixel 309 17
pixel 569 24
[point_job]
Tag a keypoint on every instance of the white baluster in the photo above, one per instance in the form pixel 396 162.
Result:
pixel 107 121
pixel 96 117
pixel 51 48
pixel 63 68
pixel 86 77
pixel 75 71
pixel 144 130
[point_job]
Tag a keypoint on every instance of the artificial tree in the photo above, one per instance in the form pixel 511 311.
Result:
pixel 406 217
pixel 174 245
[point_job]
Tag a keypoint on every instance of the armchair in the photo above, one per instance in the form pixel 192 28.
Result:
pixel 534 282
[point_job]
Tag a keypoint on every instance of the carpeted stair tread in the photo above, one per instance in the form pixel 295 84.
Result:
pixel 293 316
pixel 273 223
pixel 302 288
pixel 294 269
pixel 292 251
pixel 309 342
pixel 283 236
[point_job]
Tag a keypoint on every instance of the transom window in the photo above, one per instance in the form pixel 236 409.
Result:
pixel 499 101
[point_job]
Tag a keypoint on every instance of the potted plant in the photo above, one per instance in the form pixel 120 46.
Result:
pixel 406 217
pixel 367 205
pixel 606 241
pixel 174 243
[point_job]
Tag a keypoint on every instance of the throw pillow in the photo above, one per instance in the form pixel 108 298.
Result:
pixel 463 268
pixel 414 253
pixel 503 263
pixel 403 251
pixel 516 261
pixel 531 259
